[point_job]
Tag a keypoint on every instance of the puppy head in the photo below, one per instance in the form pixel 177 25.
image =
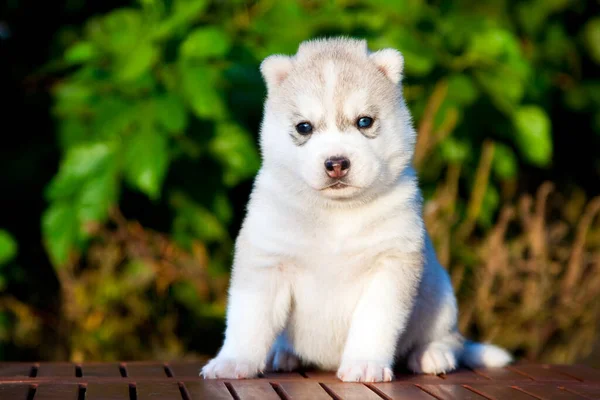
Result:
pixel 335 122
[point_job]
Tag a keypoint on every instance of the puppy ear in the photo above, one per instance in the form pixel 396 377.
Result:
pixel 275 69
pixel 390 62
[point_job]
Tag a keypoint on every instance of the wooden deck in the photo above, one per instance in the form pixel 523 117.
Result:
pixel 179 380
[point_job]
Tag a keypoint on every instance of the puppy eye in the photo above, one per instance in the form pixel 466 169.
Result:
pixel 304 128
pixel 364 122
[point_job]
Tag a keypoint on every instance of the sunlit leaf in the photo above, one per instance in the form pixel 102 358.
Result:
pixel 534 139
pixel 146 160
pixel 60 231
pixel 8 247
pixel 205 42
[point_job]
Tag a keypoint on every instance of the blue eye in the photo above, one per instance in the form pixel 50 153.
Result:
pixel 304 128
pixel 364 122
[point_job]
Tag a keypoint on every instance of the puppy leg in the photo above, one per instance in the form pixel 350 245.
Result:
pixel 259 301
pixel 438 356
pixel 379 319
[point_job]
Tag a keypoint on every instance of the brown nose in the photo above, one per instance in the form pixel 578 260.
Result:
pixel 337 167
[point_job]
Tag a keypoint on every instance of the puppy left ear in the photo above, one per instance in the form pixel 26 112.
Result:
pixel 275 69
pixel 390 62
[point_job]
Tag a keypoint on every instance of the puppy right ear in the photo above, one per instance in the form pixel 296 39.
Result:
pixel 275 69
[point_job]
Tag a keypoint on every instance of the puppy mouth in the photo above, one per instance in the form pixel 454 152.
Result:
pixel 337 185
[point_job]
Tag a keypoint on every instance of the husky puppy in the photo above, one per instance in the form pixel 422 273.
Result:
pixel 333 266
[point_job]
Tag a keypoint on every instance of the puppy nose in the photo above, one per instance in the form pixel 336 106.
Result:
pixel 337 167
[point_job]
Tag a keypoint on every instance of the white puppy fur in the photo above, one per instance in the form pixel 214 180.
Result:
pixel 343 278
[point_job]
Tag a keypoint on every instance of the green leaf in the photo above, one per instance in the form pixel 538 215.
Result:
pixel 235 149
pixel 118 32
pixel 193 220
pixel 461 89
pixel 533 137
pixel 505 162
pixel 60 229
pixel 454 150
pixel 506 91
pixel 8 247
pixel 205 42
pixel 135 63
pixel 201 92
pixel 97 196
pixel 81 52
pixel 171 113
pixel 491 44
pixel 591 33
pixel 146 160
pixel 79 163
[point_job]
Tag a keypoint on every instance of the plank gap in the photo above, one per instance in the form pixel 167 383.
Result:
pixel 81 391
pixel 34 371
pixel 330 392
pixel 428 392
pixel 132 391
pixel 378 392
pixel 229 387
pixel 526 392
pixel 477 392
pixel 510 368
pixel 31 392
pixel 168 371
pixel 185 395
pixel 279 390
pixel 123 370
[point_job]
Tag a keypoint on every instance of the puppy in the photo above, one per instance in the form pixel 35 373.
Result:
pixel 333 266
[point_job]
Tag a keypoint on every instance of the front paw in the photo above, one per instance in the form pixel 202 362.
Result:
pixel 365 371
pixel 229 368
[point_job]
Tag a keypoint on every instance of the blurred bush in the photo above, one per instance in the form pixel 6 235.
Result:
pixel 164 98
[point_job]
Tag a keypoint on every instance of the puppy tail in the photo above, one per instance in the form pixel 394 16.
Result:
pixel 481 355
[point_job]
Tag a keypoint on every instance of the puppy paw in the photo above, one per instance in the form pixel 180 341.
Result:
pixel 228 368
pixel 364 371
pixel 283 360
pixel 434 358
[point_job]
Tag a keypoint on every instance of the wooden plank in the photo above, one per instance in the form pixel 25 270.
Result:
pixel 321 376
pixel 351 391
pixel 282 376
pixel 307 390
pixel 56 370
pixel 158 390
pixel 498 391
pixel 581 372
pixel 186 369
pixel 57 391
pixel 209 389
pixel 451 392
pixel 589 391
pixel 548 392
pixel 542 373
pixel 140 370
pixel 14 391
pixel 408 377
pixel 502 374
pixel 107 391
pixel 254 389
pixel 15 369
pixel 105 370
pixel 463 375
pixel 396 391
